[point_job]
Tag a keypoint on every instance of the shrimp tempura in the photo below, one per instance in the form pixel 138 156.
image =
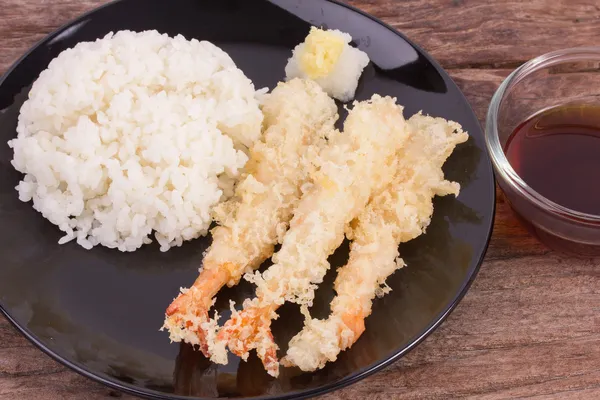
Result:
pixel 297 114
pixel 398 214
pixel 351 167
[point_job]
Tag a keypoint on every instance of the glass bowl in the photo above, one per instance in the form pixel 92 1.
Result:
pixel 564 77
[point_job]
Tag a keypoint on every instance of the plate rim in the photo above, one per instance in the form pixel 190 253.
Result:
pixel 348 380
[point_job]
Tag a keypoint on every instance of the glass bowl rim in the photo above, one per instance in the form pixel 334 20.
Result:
pixel 492 141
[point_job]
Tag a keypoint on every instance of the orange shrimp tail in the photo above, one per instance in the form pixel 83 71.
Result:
pixel 356 323
pixel 178 314
pixel 240 332
pixel 190 309
pixel 354 319
pixel 251 329
pixel 267 352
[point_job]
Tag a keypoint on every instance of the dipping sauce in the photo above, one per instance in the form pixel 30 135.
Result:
pixel 557 153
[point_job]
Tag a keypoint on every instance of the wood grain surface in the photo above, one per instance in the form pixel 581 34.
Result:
pixel 530 325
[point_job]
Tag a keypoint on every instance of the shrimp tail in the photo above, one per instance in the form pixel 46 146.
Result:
pixel 177 324
pixel 250 329
pixel 187 318
pixel 267 352
pixel 322 340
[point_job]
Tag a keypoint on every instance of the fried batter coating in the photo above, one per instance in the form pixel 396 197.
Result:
pixel 398 214
pixel 354 165
pixel 297 115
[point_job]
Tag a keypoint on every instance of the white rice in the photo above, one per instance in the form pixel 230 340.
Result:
pixel 134 133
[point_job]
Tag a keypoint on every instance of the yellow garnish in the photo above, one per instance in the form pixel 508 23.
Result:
pixel 321 52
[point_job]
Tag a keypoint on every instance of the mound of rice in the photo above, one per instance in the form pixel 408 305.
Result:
pixel 135 133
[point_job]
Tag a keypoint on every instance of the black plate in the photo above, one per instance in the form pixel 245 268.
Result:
pixel 99 311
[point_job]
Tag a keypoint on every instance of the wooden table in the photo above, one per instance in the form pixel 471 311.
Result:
pixel 528 328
